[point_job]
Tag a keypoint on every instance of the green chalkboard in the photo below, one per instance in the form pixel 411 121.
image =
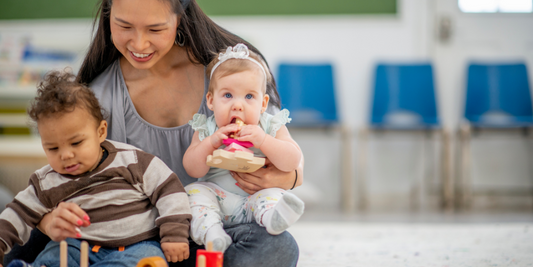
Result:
pixel 297 7
pixel 45 9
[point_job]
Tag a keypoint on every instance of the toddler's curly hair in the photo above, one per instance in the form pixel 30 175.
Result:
pixel 58 93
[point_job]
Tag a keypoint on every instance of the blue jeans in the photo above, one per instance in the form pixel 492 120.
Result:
pixel 103 258
pixel 252 246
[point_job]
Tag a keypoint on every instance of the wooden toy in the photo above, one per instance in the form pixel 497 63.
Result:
pixel 238 161
pixel 200 261
pixel 84 254
pixel 63 254
pixel 209 258
pixel 152 262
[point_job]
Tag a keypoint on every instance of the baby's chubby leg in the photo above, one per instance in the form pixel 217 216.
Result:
pixel 276 209
pixel 206 224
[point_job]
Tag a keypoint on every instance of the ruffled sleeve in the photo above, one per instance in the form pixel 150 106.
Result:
pixel 199 124
pixel 272 123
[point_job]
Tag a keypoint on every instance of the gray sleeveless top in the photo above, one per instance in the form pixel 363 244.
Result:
pixel 126 125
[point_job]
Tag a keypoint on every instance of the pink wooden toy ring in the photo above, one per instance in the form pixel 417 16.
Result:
pixel 229 141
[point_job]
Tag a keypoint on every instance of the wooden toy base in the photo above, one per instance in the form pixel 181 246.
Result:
pixel 238 161
pixel 206 258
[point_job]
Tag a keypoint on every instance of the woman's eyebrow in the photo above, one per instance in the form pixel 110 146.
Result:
pixel 152 25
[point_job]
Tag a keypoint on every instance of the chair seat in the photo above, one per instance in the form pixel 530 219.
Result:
pixel 500 120
pixel 404 120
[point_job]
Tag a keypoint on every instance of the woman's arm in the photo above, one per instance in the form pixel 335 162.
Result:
pixel 269 177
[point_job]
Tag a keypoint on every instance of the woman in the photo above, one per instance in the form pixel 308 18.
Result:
pixel 146 65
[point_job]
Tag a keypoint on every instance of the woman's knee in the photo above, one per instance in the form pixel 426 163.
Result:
pixel 254 246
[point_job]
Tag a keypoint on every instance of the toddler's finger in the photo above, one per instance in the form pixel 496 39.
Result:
pixel 72 213
pixel 67 229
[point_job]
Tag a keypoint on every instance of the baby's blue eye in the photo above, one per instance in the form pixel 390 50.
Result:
pixel 227 95
pixel 249 96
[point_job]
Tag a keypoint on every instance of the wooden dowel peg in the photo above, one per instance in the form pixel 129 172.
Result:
pixel 201 261
pixel 63 256
pixel 84 256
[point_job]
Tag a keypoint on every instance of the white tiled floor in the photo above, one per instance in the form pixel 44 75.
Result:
pixel 401 240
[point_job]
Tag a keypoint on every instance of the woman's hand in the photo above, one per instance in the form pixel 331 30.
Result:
pixel 267 177
pixel 64 221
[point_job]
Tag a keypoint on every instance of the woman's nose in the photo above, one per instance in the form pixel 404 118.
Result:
pixel 140 42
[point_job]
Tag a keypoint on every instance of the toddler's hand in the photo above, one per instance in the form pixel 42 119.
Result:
pixel 222 133
pixel 252 133
pixel 64 221
pixel 175 252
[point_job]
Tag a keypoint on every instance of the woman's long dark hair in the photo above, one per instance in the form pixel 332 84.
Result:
pixel 203 39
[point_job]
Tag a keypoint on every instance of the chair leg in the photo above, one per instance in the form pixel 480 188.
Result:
pixel 465 190
pixel 362 157
pixel 417 197
pixel 446 174
pixel 348 201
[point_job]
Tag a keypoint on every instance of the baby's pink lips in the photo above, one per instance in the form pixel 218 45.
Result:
pixel 234 119
pixel 72 168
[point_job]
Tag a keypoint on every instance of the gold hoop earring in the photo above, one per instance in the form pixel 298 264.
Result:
pixel 180 38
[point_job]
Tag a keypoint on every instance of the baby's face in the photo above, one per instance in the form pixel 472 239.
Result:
pixel 239 95
pixel 71 141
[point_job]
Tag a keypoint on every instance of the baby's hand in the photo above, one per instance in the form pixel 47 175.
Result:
pixel 175 252
pixel 222 133
pixel 252 133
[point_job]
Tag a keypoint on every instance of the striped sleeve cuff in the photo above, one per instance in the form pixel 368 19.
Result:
pixel 174 228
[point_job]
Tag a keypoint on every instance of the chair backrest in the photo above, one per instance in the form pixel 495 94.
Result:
pixel 404 96
pixel 498 95
pixel 308 92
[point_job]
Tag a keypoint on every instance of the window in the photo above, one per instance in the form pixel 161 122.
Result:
pixel 496 6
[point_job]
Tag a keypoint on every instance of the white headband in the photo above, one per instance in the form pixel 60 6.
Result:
pixel 239 51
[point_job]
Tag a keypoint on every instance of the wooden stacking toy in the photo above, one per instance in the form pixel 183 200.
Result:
pixel 209 258
pixel 238 161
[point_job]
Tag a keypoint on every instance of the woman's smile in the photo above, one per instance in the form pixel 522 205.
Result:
pixel 141 57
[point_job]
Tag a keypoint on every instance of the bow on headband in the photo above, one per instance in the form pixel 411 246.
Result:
pixel 239 51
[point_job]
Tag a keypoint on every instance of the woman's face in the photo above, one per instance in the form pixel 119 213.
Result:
pixel 143 30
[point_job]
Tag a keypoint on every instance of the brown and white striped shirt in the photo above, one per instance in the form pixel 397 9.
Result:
pixel 131 196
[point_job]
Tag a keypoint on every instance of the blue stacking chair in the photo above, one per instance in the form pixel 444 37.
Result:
pixel 404 100
pixel 308 92
pixel 498 98
pixel 404 97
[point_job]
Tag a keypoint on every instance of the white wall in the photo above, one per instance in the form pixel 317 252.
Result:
pixel 352 43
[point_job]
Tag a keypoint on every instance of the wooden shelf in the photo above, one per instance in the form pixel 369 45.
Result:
pixel 23 146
